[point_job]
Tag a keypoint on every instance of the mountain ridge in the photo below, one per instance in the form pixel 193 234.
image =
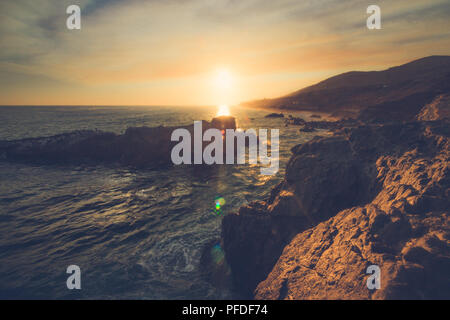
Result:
pixel 397 92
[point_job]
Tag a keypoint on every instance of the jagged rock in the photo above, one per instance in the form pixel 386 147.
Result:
pixel 138 146
pixel 311 126
pixel 330 260
pixel 294 121
pixel 307 128
pixel 366 196
pixel 438 109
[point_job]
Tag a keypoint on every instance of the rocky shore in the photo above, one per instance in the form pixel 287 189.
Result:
pixel 311 126
pixel 371 194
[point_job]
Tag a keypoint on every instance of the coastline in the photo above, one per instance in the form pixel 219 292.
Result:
pixel 390 181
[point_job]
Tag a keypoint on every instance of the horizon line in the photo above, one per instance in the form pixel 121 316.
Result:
pixel 109 105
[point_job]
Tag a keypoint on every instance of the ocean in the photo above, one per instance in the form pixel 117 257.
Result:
pixel 134 233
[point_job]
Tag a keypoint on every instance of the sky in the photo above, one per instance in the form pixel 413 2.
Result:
pixel 202 52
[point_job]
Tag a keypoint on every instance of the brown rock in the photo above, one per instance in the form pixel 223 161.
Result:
pixel 438 109
pixel 374 195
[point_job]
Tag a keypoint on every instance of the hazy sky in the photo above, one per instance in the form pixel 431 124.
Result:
pixel 202 52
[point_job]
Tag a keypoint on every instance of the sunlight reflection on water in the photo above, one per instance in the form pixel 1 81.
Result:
pixel 134 233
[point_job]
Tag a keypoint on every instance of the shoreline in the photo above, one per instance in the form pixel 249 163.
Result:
pixel 326 116
pixel 357 169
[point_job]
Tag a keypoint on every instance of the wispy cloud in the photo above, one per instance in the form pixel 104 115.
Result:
pixel 164 51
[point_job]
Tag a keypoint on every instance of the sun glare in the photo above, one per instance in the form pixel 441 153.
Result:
pixel 223 111
pixel 223 82
pixel 224 79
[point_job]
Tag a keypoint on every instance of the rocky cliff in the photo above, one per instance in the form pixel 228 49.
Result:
pixel 374 194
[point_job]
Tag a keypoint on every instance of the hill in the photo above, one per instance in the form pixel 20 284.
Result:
pixel 396 93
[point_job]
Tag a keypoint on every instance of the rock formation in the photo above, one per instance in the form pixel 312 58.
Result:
pixel 137 147
pixel 275 115
pixel 438 109
pixel 374 194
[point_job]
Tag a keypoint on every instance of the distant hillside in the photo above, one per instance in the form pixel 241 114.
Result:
pixel 396 93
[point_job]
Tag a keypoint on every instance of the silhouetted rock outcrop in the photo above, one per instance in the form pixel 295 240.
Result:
pixel 311 126
pixel 138 146
pixel 375 194
pixel 275 115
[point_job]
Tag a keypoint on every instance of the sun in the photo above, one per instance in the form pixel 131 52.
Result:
pixel 223 111
pixel 223 82
pixel 224 79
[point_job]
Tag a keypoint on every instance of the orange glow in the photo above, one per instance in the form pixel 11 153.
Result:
pixel 224 79
pixel 223 111
pixel 184 53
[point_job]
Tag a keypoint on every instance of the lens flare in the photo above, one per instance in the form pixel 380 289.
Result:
pixel 217 254
pixel 219 202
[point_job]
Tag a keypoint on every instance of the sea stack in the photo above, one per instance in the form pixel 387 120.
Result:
pixel 224 122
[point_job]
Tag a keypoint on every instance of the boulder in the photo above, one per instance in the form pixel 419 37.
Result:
pixel 275 115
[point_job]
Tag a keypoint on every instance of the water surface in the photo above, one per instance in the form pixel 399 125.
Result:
pixel 136 234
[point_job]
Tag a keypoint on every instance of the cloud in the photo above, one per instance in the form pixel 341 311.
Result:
pixel 177 42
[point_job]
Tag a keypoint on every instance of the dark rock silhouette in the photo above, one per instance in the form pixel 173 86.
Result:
pixel 275 115
pixel 295 121
pixel 138 147
pixel 311 126
pixel 307 128
pixel 223 122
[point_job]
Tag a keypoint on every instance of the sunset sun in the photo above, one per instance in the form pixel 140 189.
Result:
pixel 220 151
pixel 224 79
pixel 223 110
